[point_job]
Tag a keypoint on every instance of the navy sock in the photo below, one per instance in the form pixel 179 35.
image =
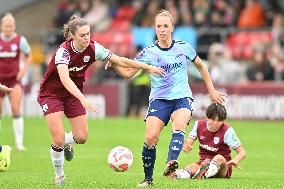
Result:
pixel 175 145
pixel 148 158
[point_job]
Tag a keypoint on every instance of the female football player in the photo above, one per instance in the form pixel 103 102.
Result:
pixel 61 91
pixel 216 139
pixel 13 46
pixel 171 96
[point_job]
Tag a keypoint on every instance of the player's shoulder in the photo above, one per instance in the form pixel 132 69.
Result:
pixel 149 48
pixel 226 126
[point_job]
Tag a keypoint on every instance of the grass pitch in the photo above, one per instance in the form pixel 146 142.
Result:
pixel 263 167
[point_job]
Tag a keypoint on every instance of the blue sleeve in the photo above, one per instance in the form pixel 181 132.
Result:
pixel 24 46
pixel 193 132
pixel 143 57
pixel 231 139
pixel 190 53
pixel 101 53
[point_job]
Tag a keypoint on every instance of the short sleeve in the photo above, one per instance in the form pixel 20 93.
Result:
pixel 62 56
pixel 190 53
pixel 142 57
pixel 231 139
pixel 24 46
pixel 101 53
pixel 193 132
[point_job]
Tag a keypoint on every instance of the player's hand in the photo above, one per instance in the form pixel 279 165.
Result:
pixel 5 89
pixel 234 163
pixel 88 105
pixel 108 65
pixel 186 148
pixel 217 97
pixel 156 71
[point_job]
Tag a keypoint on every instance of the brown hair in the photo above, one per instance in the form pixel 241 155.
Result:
pixel 216 110
pixel 164 12
pixel 71 26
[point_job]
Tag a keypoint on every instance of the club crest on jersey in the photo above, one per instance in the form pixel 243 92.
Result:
pixel 13 47
pixel 86 58
pixel 216 140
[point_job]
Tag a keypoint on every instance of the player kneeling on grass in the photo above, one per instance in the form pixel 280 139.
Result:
pixel 216 139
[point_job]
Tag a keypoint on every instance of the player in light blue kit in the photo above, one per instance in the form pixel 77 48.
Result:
pixel 171 96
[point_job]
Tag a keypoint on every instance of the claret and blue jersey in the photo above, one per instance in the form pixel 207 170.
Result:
pixel 174 60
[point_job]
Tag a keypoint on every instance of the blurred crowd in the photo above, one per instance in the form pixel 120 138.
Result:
pixel 233 58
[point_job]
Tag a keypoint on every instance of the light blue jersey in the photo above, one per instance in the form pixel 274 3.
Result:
pixel 174 60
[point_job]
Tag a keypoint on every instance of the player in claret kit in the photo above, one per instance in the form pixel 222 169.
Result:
pixel 12 48
pixel 216 139
pixel 62 87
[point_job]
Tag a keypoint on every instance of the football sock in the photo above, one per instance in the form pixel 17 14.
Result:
pixel 213 169
pixel 18 127
pixel 69 139
pixel 183 174
pixel 57 159
pixel 175 145
pixel 148 158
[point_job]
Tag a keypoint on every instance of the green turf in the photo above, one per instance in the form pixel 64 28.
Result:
pixel 263 167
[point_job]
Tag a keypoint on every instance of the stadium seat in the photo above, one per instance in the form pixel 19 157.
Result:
pixel 187 34
pixel 241 43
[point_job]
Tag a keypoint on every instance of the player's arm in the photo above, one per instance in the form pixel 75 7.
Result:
pixel 126 73
pixel 128 63
pixel 192 136
pixel 72 88
pixel 188 145
pixel 5 89
pixel 214 95
pixel 27 58
pixel 241 154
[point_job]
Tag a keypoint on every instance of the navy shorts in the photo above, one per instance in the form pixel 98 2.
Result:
pixel 163 109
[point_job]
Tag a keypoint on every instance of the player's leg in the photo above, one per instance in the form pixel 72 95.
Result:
pixel 18 122
pixel 56 128
pixel 218 167
pixel 78 135
pixel 153 129
pixel 77 116
pixel 186 172
pixel 181 116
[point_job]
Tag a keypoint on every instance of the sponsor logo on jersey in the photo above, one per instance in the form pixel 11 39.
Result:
pixel 13 47
pixel 216 140
pixel 86 58
pixel 209 148
pixel 6 54
pixel 76 69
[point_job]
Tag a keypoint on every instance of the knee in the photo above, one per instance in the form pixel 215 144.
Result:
pixel 219 158
pixel 81 139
